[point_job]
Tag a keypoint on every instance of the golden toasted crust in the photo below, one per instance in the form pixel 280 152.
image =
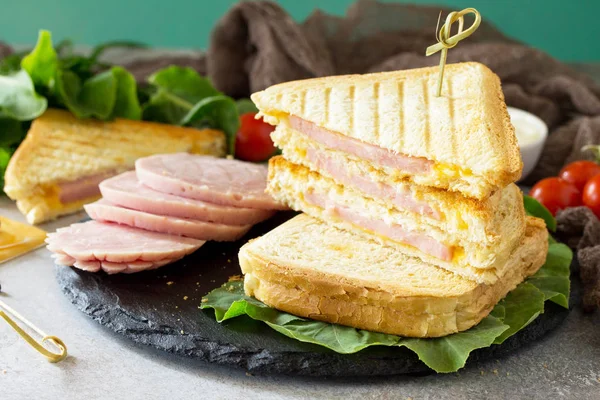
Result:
pixel 481 246
pixel 313 270
pixel 61 148
pixel 468 126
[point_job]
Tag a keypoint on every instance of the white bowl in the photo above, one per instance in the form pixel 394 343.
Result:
pixel 531 134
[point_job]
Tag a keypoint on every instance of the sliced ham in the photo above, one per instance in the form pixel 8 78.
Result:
pixel 82 188
pixel 216 180
pixel 127 191
pixel 378 155
pixel 125 268
pixel 425 243
pixel 102 241
pixel 103 210
pixel 401 199
pixel 111 267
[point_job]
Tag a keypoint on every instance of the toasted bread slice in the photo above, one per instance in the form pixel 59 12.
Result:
pixel 62 151
pixel 479 237
pixel 314 270
pixel 463 140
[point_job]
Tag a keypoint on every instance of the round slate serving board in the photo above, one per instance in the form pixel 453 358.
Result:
pixel 161 309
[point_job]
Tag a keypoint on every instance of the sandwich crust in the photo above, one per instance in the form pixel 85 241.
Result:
pixel 317 271
pixel 467 127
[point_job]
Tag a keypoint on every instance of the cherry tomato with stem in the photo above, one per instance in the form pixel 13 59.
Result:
pixel 579 172
pixel 591 195
pixel 253 139
pixel 556 194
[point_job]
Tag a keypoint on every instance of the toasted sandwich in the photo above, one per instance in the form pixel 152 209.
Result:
pixel 391 128
pixel 57 168
pixel 314 270
pixel 465 236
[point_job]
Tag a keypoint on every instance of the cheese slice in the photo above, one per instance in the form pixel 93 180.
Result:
pixel 17 239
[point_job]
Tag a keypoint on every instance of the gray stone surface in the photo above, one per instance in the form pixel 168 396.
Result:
pixel 103 365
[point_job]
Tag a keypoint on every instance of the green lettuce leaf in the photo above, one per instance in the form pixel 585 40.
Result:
pixel 553 278
pixel 182 97
pixel 521 306
pixel 447 354
pixel 536 209
pixel 18 99
pixel 42 62
pixel 450 353
pixel 127 104
pixel 218 112
pixel 95 97
pixel 245 106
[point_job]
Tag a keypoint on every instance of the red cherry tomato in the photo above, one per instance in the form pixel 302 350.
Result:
pixel 253 140
pixel 591 195
pixel 579 172
pixel 556 194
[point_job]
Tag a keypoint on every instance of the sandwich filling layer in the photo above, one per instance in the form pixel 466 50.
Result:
pixel 357 158
pixel 443 243
pixel 423 242
pixel 83 188
pixel 376 154
pixel 396 195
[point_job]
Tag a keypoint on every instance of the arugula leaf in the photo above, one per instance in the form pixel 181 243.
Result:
pixel 450 353
pixel 18 98
pixel 127 104
pixel 218 112
pixel 536 209
pixel 245 106
pixel 96 97
pixel 42 62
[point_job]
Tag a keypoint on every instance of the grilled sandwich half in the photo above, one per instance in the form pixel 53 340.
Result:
pixel 57 168
pixel 390 127
pixel 314 270
pixel 468 237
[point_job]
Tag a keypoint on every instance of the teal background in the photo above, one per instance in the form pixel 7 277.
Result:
pixel 567 29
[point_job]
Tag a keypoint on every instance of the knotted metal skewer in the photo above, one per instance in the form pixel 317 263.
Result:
pixel 445 41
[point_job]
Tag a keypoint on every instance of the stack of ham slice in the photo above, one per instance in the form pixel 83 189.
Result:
pixel 165 209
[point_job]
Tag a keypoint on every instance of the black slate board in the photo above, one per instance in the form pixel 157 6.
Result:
pixel 161 309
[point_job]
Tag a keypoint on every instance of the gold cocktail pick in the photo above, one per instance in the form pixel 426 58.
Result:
pixel 10 315
pixel 445 41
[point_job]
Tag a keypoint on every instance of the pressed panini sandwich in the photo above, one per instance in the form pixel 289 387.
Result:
pixel 314 270
pixel 382 155
pixel 391 128
pixel 57 168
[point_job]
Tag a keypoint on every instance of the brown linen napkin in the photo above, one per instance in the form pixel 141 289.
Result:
pixel 581 230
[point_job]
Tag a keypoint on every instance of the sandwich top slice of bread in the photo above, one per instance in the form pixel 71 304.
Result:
pixel 314 270
pixel 57 168
pixel 472 238
pixel 462 140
